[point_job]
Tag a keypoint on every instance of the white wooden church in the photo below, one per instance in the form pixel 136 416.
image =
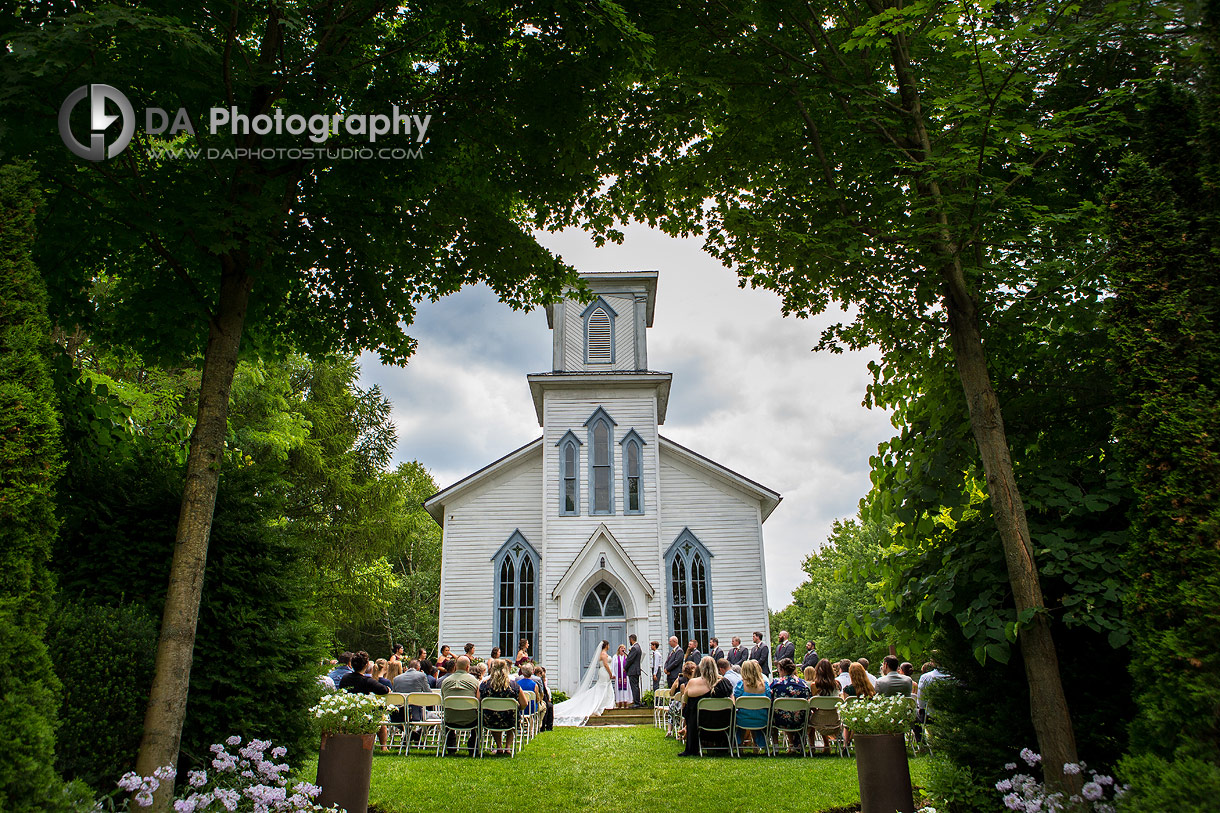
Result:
pixel 602 527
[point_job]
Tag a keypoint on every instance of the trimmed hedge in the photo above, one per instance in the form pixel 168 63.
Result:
pixel 29 469
pixel 108 653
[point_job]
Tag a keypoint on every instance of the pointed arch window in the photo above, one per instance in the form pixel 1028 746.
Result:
pixel 688 565
pixel 599 332
pixel 601 464
pixel 633 473
pixel 516 568
pixel 569 475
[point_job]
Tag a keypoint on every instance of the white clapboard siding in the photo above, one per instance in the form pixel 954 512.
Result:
pixel 725 520
pixel 476 525
pixel 564 410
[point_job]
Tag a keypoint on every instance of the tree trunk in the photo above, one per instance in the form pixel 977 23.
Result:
pixel 175 647
pixel 1048 706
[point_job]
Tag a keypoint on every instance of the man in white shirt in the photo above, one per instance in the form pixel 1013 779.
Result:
pixel 656 664
pixel 844 679
pixel 872 681
pixel 931 674
pixel 727 672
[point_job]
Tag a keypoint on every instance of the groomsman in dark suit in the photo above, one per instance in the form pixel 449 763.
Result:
pixel 716 652
pixel 738 654
pixel 761 653
pixel 692 652
pixel 632 665
pixel 811 655
pixel 673 663
pixel 786 648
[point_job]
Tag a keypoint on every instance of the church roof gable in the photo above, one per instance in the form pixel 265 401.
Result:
pixel 434 505
pixel 767 498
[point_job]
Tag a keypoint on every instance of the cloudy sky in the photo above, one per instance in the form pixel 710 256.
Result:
pixel 747 392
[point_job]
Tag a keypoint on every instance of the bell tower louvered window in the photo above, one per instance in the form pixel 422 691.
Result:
pixel 688 564
pixel 516 569
pixel 599 332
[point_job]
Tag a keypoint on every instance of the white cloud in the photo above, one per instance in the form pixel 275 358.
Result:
pixel 747 391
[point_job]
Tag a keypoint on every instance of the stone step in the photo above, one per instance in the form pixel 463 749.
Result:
pixel 622 717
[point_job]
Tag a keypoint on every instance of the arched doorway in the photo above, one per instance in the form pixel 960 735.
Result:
pixel 602 618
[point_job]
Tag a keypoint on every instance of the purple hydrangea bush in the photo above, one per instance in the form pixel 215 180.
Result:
pixel 250 779
pixel 1024 793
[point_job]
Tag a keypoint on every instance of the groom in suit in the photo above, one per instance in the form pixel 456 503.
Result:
pixel 632 665
pixel 673 664
pixel 786 648
pixel 761 653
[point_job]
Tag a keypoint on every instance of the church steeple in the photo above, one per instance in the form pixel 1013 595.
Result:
pixel 608 334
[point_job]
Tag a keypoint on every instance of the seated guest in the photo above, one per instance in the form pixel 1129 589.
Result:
pixel 844 676
pixel 356 682
pixel 726 672
pixel 430 673
pixel 460 684
pixel 675 704
pixel 479 670
pixel 527 683
pixel 906 668
pixel 411 680
pixel 808 673
pixel 789 685
pixel 864 662
pixel 751 685
pixel 548 716
pixel 499 684
pixel 344 667
pixel 859 687
pixel 824 721
pixel 392 670
pixel 706 683
pixel 379 672
pixel 892 681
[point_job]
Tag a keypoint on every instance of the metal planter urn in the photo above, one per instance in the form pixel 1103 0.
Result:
pixel 345 769
pixel 885 776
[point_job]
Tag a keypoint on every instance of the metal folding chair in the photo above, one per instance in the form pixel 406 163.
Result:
pixel 713 705
pixel 753 703
pixel 498 704
pixel 793 705
pixel 452 704
pixel 817 704
pixel 427 729
pixel 395 700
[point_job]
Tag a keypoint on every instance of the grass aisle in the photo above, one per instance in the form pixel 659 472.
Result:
pixel 598 769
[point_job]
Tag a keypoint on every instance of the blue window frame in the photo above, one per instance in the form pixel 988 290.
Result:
pixel 516 568
pixel 599 332
pixel 688 565
pixel 569 474
pixel 633 472
pixel 601 462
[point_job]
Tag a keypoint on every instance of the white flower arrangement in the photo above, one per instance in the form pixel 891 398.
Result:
pixel 347 713
pixel 1026 794
pixel 880 714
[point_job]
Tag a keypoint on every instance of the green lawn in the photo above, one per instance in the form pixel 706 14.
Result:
pixel 577 769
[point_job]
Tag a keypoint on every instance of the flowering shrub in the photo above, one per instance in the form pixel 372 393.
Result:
pixel 1025 793
pixel 248 781
pixel 880 714
pixel 347 713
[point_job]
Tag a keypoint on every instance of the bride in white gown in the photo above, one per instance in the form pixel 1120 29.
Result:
pixel 595 695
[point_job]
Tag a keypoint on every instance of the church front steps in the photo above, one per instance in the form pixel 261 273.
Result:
pixel 622 717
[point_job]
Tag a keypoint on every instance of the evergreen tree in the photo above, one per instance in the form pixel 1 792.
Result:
pixel 29 469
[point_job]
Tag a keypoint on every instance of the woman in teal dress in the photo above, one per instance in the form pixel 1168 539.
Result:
pixel 751 685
